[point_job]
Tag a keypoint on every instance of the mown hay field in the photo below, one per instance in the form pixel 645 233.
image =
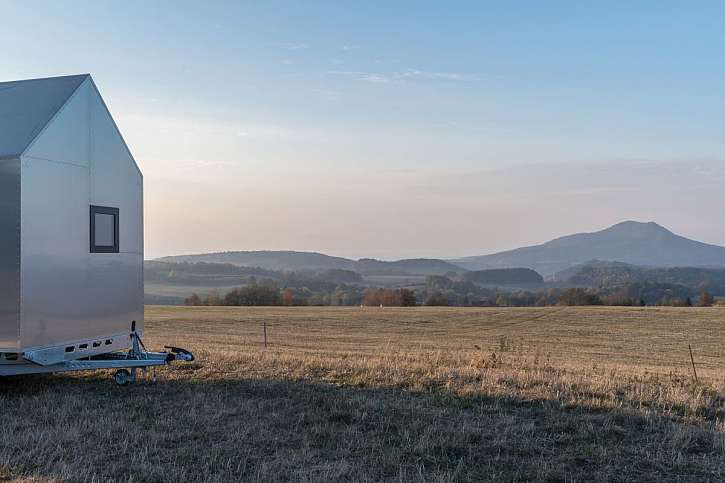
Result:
pixel 370 394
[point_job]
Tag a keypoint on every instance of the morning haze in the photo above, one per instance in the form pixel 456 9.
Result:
pixel 313 128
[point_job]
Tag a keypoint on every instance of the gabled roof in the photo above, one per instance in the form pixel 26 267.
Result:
pixel 27 106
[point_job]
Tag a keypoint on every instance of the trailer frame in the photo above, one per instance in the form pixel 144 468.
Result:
pixel 126 362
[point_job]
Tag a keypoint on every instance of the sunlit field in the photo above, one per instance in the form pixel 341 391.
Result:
pixel 369 394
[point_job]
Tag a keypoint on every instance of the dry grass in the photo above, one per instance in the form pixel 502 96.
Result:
pixel 423 394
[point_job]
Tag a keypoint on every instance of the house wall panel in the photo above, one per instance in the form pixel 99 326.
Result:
pixel 67 138
pixel 55 252
pixel 116 181
pixel 68 293
pixel 9 254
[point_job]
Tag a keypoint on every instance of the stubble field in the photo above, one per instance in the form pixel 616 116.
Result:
pixel 414 394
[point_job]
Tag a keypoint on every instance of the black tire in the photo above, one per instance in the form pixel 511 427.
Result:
pixel 122 377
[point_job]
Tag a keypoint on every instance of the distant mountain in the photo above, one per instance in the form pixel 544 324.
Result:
pixel 630 242
pixel 311 261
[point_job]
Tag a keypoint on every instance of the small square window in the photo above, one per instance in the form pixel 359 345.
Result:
pixel 104 229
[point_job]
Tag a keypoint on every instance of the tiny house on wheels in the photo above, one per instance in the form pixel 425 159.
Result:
pixel 71 234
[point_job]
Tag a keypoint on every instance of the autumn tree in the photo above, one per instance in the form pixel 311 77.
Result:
pixel 372 297
pixel 288 297
pixel 254 294
pixel 407 298
pixel 706 300
pixel 389 297
pixel 193 300
pixel 437 299
pixel 579 296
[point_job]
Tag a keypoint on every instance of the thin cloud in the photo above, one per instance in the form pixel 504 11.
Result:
pixel 329 94
pixel 449 76
pixel 410 75
pixel 294 46
pixel 361 76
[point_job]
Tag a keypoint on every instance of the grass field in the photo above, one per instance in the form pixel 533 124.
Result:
pixel 179 292
pixel 417 394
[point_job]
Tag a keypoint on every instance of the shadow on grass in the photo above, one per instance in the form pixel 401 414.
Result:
pixel 73 428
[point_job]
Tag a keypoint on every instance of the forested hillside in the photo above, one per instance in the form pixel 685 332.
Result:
pixel 311 261
pixel 608 274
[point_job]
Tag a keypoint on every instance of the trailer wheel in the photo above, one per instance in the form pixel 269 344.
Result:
pixel 122 377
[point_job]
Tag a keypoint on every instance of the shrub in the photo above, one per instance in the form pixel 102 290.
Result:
pixel 437 299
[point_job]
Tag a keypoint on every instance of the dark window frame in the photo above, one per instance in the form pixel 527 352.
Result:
pixel 104 210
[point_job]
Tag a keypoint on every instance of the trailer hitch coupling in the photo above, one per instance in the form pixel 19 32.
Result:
pixel 179 354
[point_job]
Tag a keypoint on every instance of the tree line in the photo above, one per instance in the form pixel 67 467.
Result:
pixel 439 292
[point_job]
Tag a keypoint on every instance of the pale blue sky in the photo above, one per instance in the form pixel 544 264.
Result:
pixel 399 129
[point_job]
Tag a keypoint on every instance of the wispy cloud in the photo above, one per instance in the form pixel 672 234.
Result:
pixel 294 45
pixel 447 76
pixel 362 76
pixel 329 94
pixel 410 75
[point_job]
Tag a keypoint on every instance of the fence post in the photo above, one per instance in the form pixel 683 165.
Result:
pixel 265 334
pixel 692 360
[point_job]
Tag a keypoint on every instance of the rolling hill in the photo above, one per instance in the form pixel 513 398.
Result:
pixel 617 274
pixel 647 244
pixel 269 260
pixel 311 261
pixel 504 276
pixel 630 242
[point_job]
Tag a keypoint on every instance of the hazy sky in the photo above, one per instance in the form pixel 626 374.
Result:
pixel 414 129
